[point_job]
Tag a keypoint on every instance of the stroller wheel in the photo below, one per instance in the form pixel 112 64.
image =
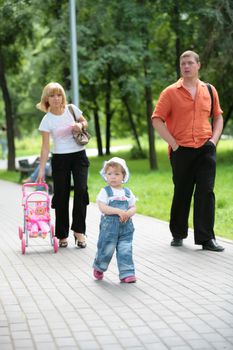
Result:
pixel 20 232
pixel 23 245
pixel 55 244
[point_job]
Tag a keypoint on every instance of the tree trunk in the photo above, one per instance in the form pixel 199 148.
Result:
pixel 148 95
pixel 97 128
pixel 131 121
pixel 151 134
pixel 9 117
pixel 149 111
pixel 227 117
pixel 108 108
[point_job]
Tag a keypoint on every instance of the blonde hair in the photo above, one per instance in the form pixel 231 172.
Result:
pixel 48 90
pixel 115 165
pixel 192 54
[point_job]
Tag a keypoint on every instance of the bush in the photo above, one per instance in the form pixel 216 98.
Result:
pixel 136 153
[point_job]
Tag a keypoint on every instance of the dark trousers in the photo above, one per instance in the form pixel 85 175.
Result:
pixel 63 166
pixel 194 170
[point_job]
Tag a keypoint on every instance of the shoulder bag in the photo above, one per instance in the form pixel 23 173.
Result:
pixel 82 137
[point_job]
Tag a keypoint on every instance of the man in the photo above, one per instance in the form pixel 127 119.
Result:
pixel 181 118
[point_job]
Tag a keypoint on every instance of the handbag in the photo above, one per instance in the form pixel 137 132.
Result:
pixel 81 137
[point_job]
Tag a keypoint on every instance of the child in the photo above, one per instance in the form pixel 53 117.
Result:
pixel 117 205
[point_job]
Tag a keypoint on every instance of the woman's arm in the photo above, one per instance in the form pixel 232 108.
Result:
pixel 44 154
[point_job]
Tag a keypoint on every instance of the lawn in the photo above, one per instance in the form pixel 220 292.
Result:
pixel 154 188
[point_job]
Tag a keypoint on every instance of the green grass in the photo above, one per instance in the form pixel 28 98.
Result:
pixel 154 189
pixel 11 176
pixel 29 146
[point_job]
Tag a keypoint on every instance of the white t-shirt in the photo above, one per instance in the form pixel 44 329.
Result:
pixel 60 128
pixel 118 194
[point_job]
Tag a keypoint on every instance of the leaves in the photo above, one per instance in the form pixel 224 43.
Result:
pixel 125 35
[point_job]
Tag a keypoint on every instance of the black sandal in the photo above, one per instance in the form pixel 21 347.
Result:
pixel 63 244
pixel 80 244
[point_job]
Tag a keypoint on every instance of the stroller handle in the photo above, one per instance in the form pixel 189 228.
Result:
pixel 33 194
pixel 35 184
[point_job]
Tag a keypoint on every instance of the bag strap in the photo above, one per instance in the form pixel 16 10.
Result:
pixel 212 98
pixel 212 103
pixel 72 111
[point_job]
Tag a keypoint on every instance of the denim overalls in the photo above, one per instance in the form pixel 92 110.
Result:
pixel 115 235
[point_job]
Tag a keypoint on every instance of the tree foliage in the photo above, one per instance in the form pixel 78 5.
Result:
pixel 15 31
pixel 128 51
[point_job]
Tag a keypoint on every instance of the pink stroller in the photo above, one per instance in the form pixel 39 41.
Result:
pixel 37 221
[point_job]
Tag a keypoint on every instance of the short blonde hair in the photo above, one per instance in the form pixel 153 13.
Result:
pixel 115 165
pixel 189 53
pixel 48 90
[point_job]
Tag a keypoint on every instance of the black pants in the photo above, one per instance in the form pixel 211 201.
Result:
pixel 194 170
pixel 63 165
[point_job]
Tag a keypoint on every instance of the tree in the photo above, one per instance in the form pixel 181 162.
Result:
pixel 15 31
pixel 188 22
pixel 217 53
pixel 128 51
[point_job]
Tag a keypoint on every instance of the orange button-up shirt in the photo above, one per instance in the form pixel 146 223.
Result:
pixel 187 119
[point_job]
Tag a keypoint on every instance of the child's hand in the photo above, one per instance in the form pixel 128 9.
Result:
pixel 123 216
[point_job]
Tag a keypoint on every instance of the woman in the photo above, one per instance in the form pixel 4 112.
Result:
pixel 68 158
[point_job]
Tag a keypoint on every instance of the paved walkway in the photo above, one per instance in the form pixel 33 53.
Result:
pixel 183 298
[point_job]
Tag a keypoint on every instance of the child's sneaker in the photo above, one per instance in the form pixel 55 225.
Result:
pixel 98 275
pixel 129 279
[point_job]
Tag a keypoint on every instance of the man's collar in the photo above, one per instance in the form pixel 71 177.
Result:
pixel 179 83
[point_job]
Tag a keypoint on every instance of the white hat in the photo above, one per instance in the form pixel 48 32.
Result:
pixel 118 161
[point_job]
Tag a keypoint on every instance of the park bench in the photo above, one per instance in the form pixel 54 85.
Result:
pixel 25 168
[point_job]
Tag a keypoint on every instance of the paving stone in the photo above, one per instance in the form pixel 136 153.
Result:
pixel 89 345
pixel 4 331
pixel 20 335
pixel 48 346
pixel 24 344
pixel 182 300
pixel 7 346
pixel 5 339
